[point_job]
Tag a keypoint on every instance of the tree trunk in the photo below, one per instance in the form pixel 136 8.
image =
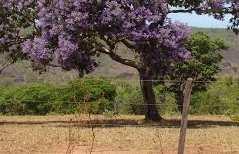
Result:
pixel 151 112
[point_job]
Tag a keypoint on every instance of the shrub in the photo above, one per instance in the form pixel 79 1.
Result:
pixel 88 90
pixel 166 100
pixel 27 99
pixel 94 88
pixel 100 106
pixel 130 100
pixel 41 99
pixel 102 96
pixel 220 98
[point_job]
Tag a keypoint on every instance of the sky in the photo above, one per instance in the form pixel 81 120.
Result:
pixel 199 20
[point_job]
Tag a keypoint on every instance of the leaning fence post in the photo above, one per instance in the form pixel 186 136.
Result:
pixel 184 122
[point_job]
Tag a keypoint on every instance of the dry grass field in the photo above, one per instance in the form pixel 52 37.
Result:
pixel 115 135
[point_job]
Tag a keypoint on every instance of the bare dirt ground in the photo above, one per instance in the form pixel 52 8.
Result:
pixel 115 135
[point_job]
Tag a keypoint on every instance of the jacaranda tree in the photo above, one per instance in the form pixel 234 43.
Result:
pixel 71 33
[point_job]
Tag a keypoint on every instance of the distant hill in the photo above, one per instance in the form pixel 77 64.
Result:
pixel 21 72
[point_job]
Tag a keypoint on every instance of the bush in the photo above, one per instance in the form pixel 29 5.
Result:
pixel 90 90
pixel 130 100
pixel 94 88
pixel 103 97
pixel 41 99
pixel 100 106
pixel 166 100
pixel 220 98
pixel 28 99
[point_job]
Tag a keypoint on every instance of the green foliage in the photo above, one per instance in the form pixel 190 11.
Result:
pixel 80 91
pixel 204 64
pixel 205 60
pixel 101 106
pixel 41 99
pixel 235 118
pixel 166 100
pixel 228 36
pixel 96 88
pixel 220 98
pixel 130 100
pixel 28 99
pixel 100 96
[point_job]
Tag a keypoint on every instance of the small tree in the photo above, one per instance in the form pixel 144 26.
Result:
pixel 73 32
pixel 203 66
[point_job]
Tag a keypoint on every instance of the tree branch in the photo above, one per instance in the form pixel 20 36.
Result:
pixel 54 65
pixel 198 10
pixel 4 66
pixel 118 58
pixel 111 52
pixel 183 10
pixel 129 44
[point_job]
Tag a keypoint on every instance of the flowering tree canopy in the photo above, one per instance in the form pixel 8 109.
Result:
pixel 71 33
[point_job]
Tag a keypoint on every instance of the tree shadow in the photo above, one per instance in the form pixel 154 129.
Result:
pixel 108 123
pixel 201 123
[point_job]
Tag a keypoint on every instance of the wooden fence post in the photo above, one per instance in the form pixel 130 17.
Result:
pixel 184 122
